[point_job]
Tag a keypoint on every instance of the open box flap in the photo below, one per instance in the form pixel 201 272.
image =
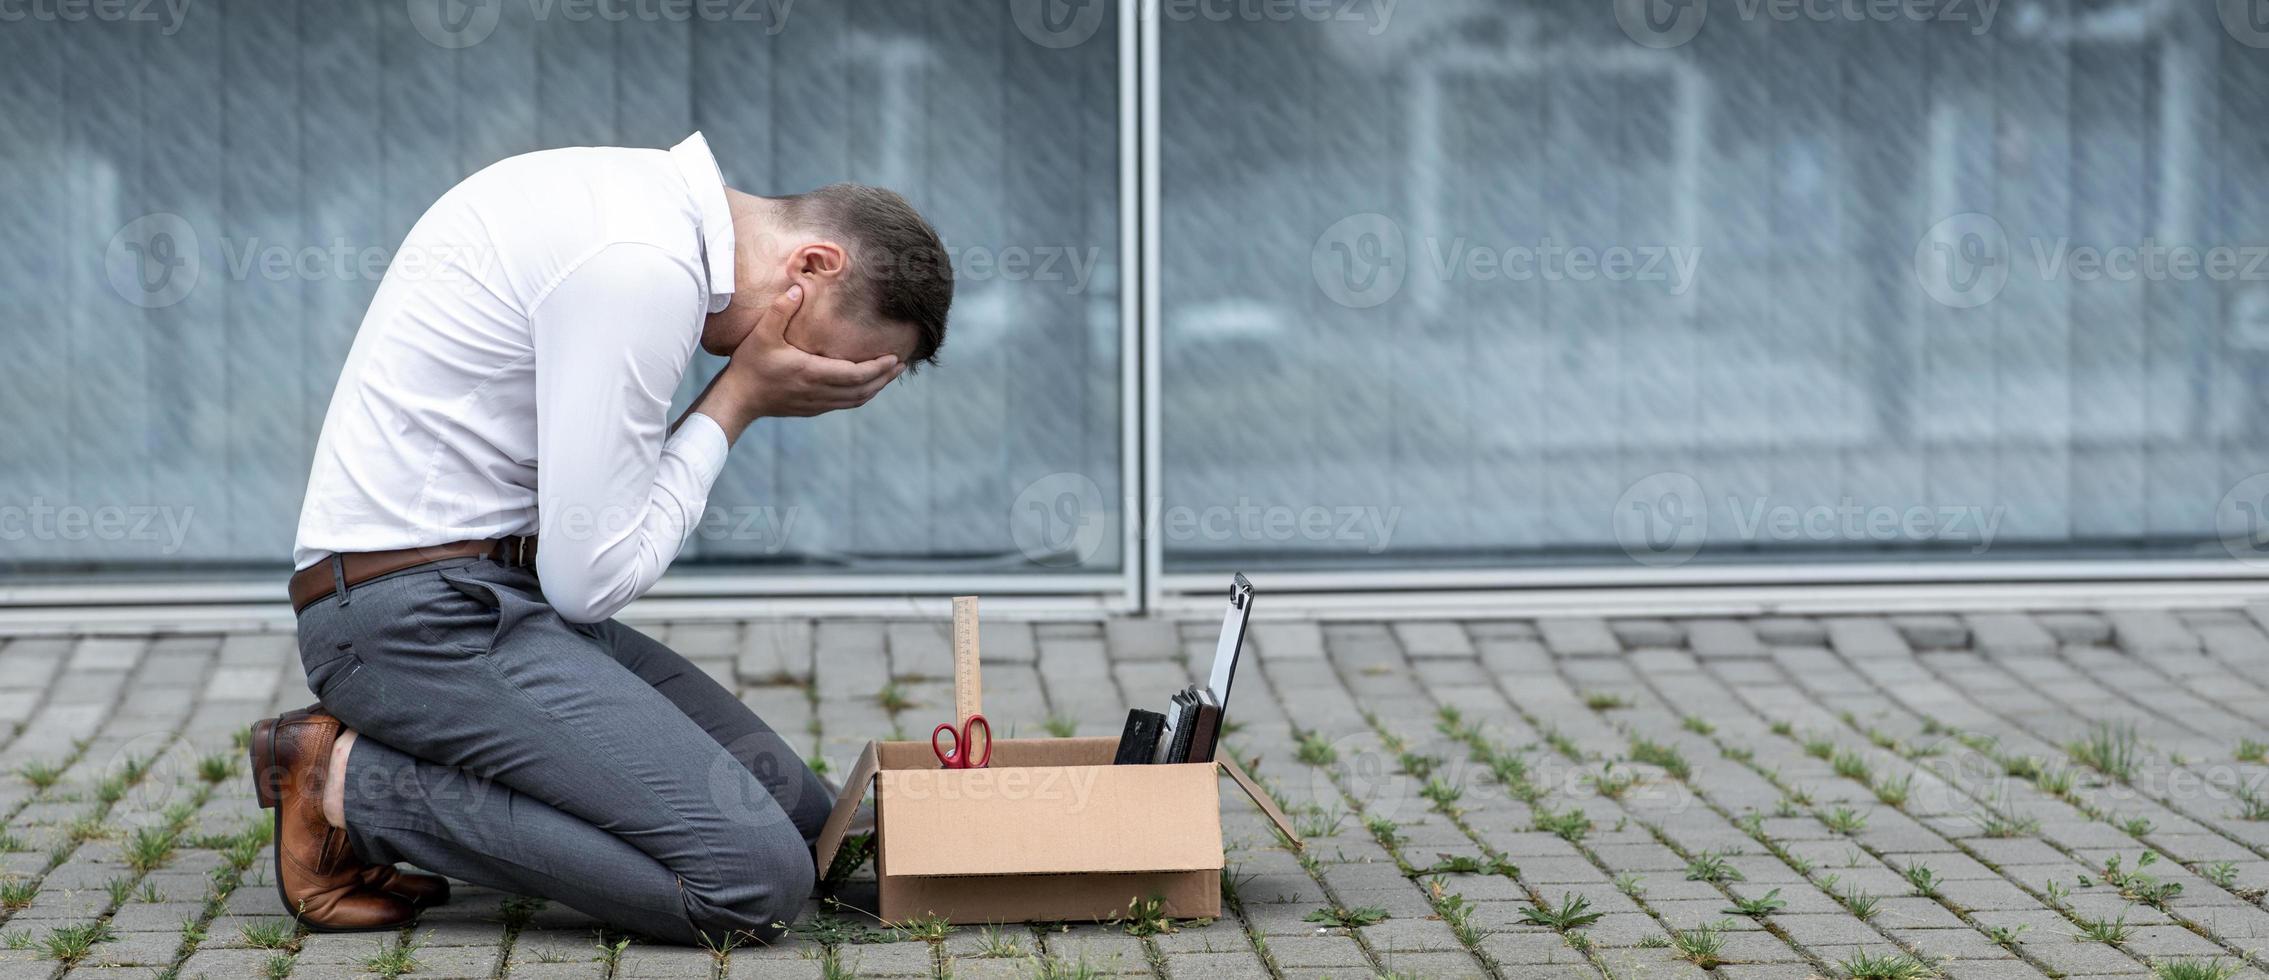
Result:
pixel 1261 799
pixel 847 805
pixel 1050 820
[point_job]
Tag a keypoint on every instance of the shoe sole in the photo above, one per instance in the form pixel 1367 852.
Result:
pixel 268 786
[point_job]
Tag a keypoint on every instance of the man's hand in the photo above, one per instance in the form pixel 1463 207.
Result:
pixel 769 377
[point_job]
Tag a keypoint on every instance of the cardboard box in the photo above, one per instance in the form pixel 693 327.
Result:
pixel 1050 831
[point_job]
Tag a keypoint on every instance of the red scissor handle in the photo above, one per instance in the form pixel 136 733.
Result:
pixel 964 740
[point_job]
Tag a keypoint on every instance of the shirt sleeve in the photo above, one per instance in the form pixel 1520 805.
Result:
pixel 615 498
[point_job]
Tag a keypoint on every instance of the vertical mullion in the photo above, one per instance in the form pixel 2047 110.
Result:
pixel 1146 34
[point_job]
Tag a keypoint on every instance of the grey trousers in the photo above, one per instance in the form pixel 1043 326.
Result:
pixel 588 764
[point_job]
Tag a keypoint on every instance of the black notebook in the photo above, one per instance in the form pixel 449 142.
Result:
pixel 1138 744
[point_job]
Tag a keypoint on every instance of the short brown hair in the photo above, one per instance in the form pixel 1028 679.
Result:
pixel 898 267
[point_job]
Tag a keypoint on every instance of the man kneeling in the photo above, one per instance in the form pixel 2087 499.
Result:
pixel 498 475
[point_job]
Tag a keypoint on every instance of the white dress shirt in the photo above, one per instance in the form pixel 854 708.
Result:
pixel 513 374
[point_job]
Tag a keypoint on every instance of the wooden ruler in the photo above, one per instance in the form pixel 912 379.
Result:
pixel 968 689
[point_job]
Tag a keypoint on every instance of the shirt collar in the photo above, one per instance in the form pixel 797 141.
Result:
pixel 707 185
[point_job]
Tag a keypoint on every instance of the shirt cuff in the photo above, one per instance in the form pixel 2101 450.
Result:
pixel 701 443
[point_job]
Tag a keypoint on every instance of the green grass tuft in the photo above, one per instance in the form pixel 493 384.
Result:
pixel 1885 966
pixel 1573 912
pixel 2111 749
pixel 1347 918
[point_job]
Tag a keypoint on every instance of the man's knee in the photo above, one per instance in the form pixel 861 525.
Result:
pixel 758 894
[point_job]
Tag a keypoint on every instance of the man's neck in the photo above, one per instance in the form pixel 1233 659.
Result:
pixel 757 227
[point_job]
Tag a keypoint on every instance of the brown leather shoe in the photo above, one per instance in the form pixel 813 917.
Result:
pixel 420 890
pixel 321 881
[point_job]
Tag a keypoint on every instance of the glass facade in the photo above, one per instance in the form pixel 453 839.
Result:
pixel 1592 283
pixel 280 150
pixel 1443 283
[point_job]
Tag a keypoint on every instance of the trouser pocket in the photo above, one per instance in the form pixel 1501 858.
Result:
pixel 334 677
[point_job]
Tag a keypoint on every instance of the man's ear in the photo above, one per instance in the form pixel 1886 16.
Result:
pixel 822 261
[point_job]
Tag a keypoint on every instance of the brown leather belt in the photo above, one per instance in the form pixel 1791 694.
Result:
pixel 319 581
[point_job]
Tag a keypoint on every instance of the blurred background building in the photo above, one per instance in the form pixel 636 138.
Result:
pixel 1360 293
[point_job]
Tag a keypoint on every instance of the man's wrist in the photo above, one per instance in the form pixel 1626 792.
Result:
pixel 730 404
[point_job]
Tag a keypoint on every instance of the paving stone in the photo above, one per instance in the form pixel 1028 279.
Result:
pixel 1932 632
pixel 775 651
pixel 1782 631
pixel 1573 637
pixel 1864 638
pixel 1446 965
pixel 1141 638
pixel 1637 633
pixel 1429 638
pixel 2009 634
pixel 2149 632
pixel 1712 638
pixel 224 964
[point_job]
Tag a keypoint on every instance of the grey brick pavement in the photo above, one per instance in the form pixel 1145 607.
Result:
pixel 2010 795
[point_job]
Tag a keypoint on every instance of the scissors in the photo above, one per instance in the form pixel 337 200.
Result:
pixel 973 738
